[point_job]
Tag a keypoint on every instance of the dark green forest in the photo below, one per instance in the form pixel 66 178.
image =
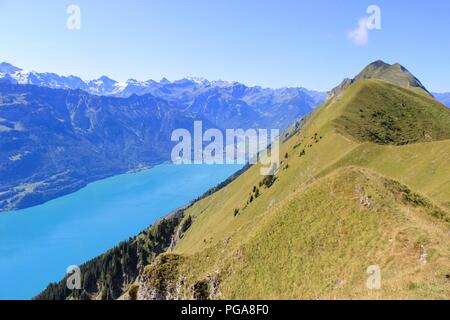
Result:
pixel 106 276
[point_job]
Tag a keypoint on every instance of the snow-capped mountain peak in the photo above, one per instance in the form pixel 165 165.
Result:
pixel 164 81
pixel 198 80
pixel 188 88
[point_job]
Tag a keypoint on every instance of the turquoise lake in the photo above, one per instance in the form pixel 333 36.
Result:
pixel 39 243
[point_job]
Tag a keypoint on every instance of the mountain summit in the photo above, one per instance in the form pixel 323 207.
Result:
pixel 394 73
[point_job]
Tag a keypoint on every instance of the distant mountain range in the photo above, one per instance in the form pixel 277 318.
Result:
pixel 224 103
pixel 443 97
pixel 59 133
pixel 185 91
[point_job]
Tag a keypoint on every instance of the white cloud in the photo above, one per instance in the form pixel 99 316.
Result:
pixel 360 35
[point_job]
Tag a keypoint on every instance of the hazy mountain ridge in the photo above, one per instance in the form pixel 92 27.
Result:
pixel 181 91
pixel 226 104
pixel 443 97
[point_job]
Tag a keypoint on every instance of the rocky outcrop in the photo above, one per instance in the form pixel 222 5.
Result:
pixel 165 279
pixel 380 70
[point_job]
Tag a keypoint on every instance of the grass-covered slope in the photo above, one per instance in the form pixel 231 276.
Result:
pixel 342 201
pixel 380 112
pixel 354 189
pixel 318 244
pixel 422 166
pixel 320 241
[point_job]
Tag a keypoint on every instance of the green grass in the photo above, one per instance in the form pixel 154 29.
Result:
pixel 379 112
pixel 424 167
pixel 343 200
pixel 319 242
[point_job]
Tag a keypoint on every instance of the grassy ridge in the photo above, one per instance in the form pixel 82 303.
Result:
pixel 364 182
pixel 311 235
pixel 319 243
pixel 424 167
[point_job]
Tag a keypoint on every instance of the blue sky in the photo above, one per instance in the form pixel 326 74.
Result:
pixel 266 42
